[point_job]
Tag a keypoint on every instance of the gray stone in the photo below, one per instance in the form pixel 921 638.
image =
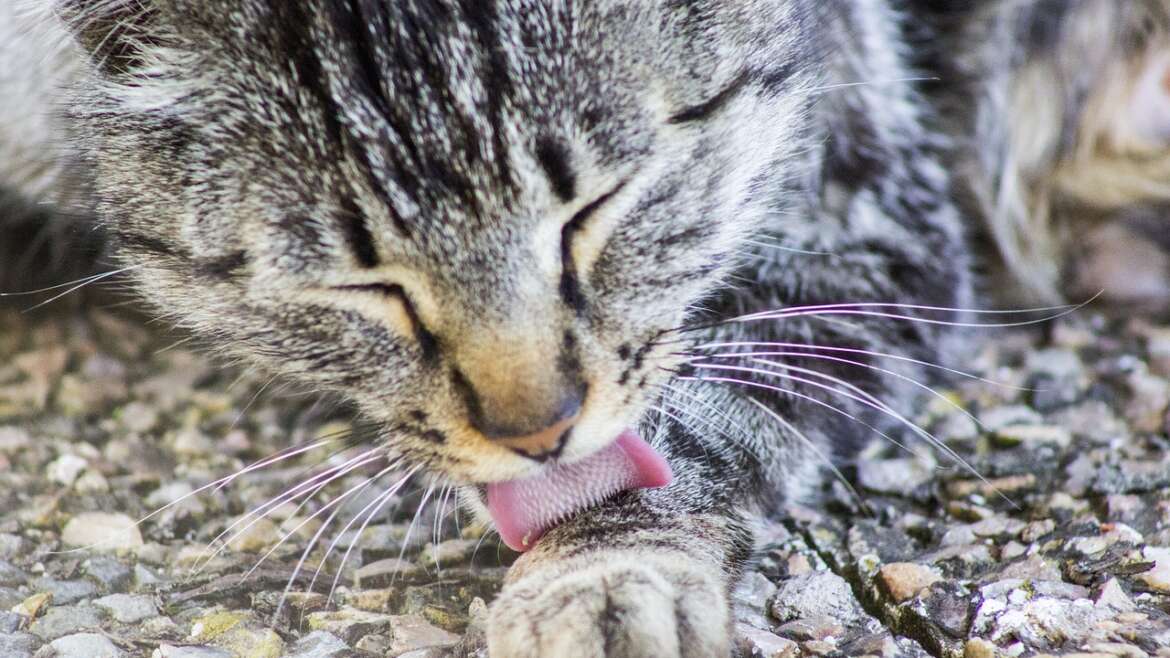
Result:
pixel 895 476
pixel 756 643
pixel 169 651
pixel 85 645
pixel 128 608
pixel 751 600
pixel 100 531
pixel 817 594
pixel 10 622
pixel 384 573
pixel 319 644
pixel 412 632
pixel 18 645
pixel 13 546
pixel 10 575
pixel 66 592
pixel 107 571
pixel 350 624
pixel 66 619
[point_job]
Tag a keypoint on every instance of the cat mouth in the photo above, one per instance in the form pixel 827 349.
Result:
pixel 524 509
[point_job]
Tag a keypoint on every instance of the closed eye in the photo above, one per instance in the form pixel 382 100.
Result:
pixel 426 339
pixel 709 107
pixel 570 287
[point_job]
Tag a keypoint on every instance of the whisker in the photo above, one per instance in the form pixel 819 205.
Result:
pixel 381 501
pixel 884 408
pixel 307 489
pixel 83 281
pixel 817 451
pixel 92 280
pixel 850 350
pixel 860 364
pixel 285 537
pixel 409 529
pixel 317 538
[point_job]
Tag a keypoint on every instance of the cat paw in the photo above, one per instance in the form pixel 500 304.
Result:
pixel 616 606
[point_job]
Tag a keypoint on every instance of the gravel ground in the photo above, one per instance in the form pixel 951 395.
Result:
pixel 1060 547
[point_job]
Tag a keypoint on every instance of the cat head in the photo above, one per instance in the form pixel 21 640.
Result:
pixel 482 221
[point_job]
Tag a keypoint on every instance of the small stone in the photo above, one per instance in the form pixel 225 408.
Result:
pixel 85 645
pixel 66 592
pixel 412 632
pixel 318 644
pixel 102 531
pixel 18 645
pixel 816 594
pixel 904 580
pixel 762 644
pixel 1112 596
pixel 979 649
pixel 811 629
pixel 1157 578
pixel 10 576
pixel 383 573
pixel 255 536
pixel 895 476
pixel 350 624
pixel 379 645
pixel 169 651
pixel 1033 435
pixel 138 417
pixel 128 608
pixel 63 620
pixel 109 572
pixel 751 600
pixel 452 552
pixel 91 482
pixel 1037 529
pixel 997 418
pixel 65 469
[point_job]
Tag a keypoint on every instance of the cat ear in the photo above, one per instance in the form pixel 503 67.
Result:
pixel 118 35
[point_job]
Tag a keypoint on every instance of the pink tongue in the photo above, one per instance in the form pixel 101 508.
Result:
pixel 524 509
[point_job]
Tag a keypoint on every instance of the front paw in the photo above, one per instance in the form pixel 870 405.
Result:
pixel 617 604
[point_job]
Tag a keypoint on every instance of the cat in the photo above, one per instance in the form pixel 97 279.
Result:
pixel 631 273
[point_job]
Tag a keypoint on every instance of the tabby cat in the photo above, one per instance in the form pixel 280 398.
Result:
pixel 630 272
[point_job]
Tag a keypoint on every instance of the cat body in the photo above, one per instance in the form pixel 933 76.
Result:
pixel 658 262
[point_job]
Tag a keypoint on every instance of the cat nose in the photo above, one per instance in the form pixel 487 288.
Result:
pixel 522 423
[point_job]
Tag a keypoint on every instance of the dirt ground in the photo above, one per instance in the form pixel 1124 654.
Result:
pixel 1055 540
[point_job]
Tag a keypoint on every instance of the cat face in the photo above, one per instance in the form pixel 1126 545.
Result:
pixel 483 222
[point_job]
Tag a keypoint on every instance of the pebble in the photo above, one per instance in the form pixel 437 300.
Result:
pixel 254 536
pixel 350 624
pixel 128 608
pixel 904 580
pixel 1157 578
pixel 107 571
pixel 1033 435
pixel 319 644
pixel 65 469
pixel 85 645
pixel 10 575
pixel 63 620
pixel 762 644
pixel 18 645
pixel 817 594
pixel 895 476
pixel 170 651
pixel 101 531
pixel 751 600
pixel 65 592
pixel 384 573
pixel 412 632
